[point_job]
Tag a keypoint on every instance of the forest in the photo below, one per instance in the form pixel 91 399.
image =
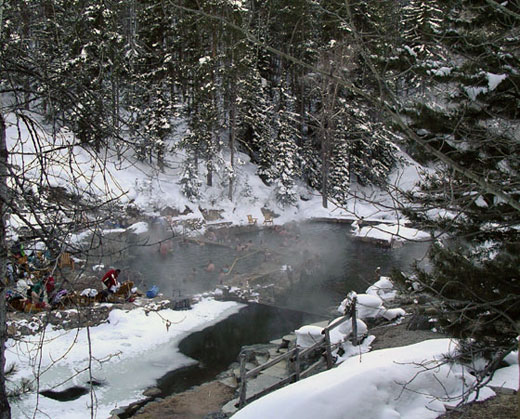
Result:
pixel 329 93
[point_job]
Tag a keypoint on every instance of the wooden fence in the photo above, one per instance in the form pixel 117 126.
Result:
pixel 295 357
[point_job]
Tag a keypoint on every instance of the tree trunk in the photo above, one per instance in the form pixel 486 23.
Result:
pixel 209 175
pixel 5 410
pixel 232 126
pixel 324 168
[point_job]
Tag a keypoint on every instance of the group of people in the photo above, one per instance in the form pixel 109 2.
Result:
pixel 40 293
pixel 30 281
pixel 28 276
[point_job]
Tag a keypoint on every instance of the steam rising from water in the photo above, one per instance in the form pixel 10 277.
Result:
pixel 330 260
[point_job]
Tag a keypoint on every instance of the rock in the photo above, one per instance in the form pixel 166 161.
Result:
pixel 117 412
pixel 261 358
pixel 253 351
pixel 289 338
pixel 169 211
pixel 229 382
pixel 229 408
pixel 152 392
pixel 419 322
pixel 216 415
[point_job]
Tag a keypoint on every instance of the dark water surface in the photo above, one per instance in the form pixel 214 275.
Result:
pixel 218 346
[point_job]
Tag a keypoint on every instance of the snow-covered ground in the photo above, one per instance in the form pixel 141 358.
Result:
pixel 409 382
pixel 129 353
pixel 150 190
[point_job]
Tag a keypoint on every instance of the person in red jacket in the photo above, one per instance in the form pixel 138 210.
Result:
pixel 110 279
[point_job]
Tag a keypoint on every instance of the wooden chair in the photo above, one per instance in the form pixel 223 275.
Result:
pixel 268 219
pixel 66 260
pixel 251 220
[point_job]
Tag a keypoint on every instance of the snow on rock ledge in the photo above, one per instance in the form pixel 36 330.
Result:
pixel 308 335
pixel 384 289
pixel 390 233
pixel 367 306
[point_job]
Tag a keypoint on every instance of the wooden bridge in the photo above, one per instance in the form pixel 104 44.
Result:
pixel 294 358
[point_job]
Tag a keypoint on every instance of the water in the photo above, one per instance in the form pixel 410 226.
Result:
pixel 218 346
pixel 340 263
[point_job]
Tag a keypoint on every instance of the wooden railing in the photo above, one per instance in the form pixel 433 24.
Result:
pixel 295 356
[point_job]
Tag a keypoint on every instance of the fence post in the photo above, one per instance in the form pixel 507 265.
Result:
pixel 297 364
pixel 327 349
pixel 354 322
pixel 243 383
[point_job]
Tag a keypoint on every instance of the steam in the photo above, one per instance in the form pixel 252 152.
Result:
pixel 325 262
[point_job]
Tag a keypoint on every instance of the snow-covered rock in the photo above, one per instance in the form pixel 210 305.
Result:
pixel 346 327
pixel 308 335
pixel 391 233
pixel 393 313
pixel 384 289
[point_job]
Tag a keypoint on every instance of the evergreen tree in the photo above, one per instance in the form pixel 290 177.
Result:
pixel 287 161
pixel 256 112
pixel 190 183
pixel 150 100
pixel 474 274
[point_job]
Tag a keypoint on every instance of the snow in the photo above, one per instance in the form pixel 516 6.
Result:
pixel 441 72
pixel 150 190
pixel 139 228
pixel 308 335
pixel 409 382
pixel 383 288
pixel 391 233
pixel 494 80
pixel 474 91
pixel 506 377
pixel 370 305
pixel 392 313
pixel 117 348
pixel 345 328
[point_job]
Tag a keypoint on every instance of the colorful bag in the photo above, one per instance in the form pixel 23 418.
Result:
pixel 153 291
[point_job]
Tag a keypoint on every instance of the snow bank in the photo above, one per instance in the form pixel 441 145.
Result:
pixel 391 233
pixel 118 348
pixel 409 382
pixel 507 377
pixel 139 228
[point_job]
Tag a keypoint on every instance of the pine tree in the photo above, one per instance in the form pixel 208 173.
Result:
pixel 473 275
pixel 256 112
pixel 286 163
pixel 190 183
